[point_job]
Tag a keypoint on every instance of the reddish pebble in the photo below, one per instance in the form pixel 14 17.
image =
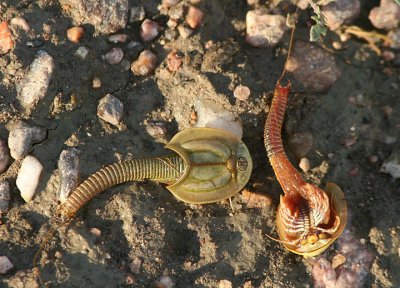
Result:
pixel 241 92
pixel 6 42
pixel 174 60
pixel 145 64
pixel 74 34
pixel 149 30
pixel 58 254
pixel 354 171
pixel 194 17
pixel 114 56
pixel 135 265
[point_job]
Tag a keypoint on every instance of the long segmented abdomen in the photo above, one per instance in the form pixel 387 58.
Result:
pixel 289 178
pixel 166 169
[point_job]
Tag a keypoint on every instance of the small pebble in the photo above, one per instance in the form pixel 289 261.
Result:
pixel 28 177
pixel 388 56
pixel 74 34
pixel 4 155
pixel 252 2
pixel 317 71
pixel 110 109
pixel 21 138
pixel 176 12
pixel 130 279
pixel 135 265
pixel 264 30
pixel 354 171
pixel 118 38
pixel 20 23
pixel 185 31
pixel 225 284
pixel 125 64
pixel 171 34
pixel 149 30
pixel 373 159
pixel 300 143
pixel 341 12
pixel 304 164
pixel 214 116
pixel 4 196
pixel 174 60
pixel 34 86
pixel 164 282
pixel 58 255
pixel 137 14
pixel 392 165
pixel 255 200
pixel 96 83
pixel 349 141
pixel 337 45
pixel 145 64
pixel 172 23
pixel 241 92
pixel 386 16
pixel 95 231
pixel 156 130
pixel 5 265
pixel 82 52
pixel 6 42
pixel 114 56
pixel 194 18
pixel 68 166
pixel 35 43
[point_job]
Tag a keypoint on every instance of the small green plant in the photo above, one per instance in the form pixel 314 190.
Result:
pixel 318 30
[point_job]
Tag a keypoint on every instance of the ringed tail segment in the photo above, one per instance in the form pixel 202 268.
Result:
pixel 163 169
pixel 288 176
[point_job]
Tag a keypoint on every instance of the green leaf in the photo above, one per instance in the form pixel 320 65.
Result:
pixel 317 31
pixel 397 1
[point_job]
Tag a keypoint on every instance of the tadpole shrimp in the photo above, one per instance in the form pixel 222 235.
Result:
pixel 205 165
pixel 309 219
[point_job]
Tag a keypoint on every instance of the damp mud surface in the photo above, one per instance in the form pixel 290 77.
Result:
pixel 195 245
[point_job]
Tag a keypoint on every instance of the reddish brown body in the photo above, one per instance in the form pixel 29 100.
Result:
pixel 308 218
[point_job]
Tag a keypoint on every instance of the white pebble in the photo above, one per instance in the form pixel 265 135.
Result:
pixel 4 196
pixel 114 56
pixel 210 115
pixel 392 165
pixel 149 30
pixel 304 164
pixel 241 92
pixel 21 138
pixel 68 165
pixel 21 23
pixel 110 109
pixel 28 177
pixel 81 52
pixel 5 265
pixel 34 86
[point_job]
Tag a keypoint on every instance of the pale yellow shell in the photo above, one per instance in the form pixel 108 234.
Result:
pixel 218 165
pixel 339 205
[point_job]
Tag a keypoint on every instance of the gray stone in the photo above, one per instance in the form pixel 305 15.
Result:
pixel 21 138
